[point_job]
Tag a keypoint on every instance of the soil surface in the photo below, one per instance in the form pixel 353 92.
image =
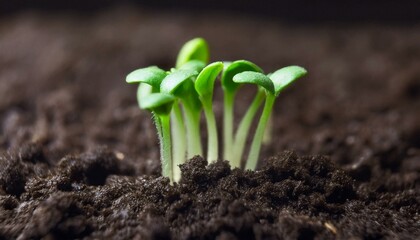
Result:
pixel 80 160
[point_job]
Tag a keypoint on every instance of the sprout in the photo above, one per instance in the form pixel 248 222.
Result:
pixel 161 104
pixel 265 85
pixel 177 97
pixel 229 89
pixel 280 79
pixel 180 84
pixel 204 85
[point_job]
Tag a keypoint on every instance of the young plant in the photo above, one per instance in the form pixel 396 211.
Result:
pixel 265 86
pixel 193 56
pixel 280 80
pixel 149 80
pixel 177 97
pixel 180 84
pixel 160 104
pixel 230 89
pixel 204 85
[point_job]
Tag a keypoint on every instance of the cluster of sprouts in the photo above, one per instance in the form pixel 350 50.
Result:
pixel 178 97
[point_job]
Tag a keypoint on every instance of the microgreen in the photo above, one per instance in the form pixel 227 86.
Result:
pixel 161 104
pixel 280 79
pixel 180 84
pixel 230 88
pixel 265 86
pixel 177 97
pixel 204 85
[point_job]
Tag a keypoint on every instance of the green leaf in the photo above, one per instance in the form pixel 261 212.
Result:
pixel 285 76
pixel 176 79
pixel 150 75
pixel 255 78
pixel 143 91
pixel 159 103
pixel 204 84
pixel 195 65
pixel 195 49
pixel 234 68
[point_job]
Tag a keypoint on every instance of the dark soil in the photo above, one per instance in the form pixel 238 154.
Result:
pixel 80 160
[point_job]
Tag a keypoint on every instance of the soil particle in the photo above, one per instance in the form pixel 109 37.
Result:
pixel 80 160
pixel 290 197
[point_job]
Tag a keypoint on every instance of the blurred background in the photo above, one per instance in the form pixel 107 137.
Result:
pixel 300 10
pixel 63 65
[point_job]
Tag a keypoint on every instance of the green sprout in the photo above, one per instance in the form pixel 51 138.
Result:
pixel 280 80
pixel 204 85
pixel 230 89
pixel 177 97
pixel 161 104
pixel 180 84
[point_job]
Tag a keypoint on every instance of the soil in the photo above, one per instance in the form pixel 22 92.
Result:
pixel 80 160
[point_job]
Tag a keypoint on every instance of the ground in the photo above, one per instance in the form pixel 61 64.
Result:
pixel 80 160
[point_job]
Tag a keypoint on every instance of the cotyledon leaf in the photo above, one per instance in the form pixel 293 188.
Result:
pixel 160 103
pixel 175 79
pixel 285 76
pixel 151 75
pixel 255 78
pixel 204 83
pixel 195 49
pixel 234 68
pixel 195 65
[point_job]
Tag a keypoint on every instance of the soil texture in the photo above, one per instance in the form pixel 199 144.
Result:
pixel 79 160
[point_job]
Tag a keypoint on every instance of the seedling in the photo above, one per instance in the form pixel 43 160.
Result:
pixel 178 97
pixel 161 104
pixel 204 85
pixel 280 79
pixel 230 89
pixel 180 84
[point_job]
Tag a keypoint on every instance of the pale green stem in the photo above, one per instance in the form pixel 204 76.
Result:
pixel 268 134
pixel 243 128
pixel 192 120
pixel 212 146
pixel 166 155
pixel 251 162
pixel 178 141
pixel 158 125
pixel 228 125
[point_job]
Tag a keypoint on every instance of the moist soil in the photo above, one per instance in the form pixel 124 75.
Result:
pixel 79 160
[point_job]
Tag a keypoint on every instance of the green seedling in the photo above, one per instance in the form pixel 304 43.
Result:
pixel 149 80
pixel 280 80
pixel 177 97
pixel 160 104
pixel 204 85
pixel 180 84
pixel 265 87
pixel 230 89
pixel 193 56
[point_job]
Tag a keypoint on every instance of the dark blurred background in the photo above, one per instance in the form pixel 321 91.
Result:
pixel 390 11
